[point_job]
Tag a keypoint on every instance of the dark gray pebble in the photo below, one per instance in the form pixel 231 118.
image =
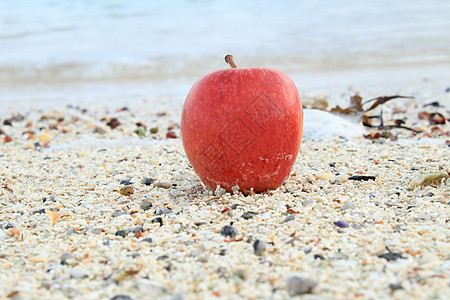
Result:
pixel 341 224
pixel 259 246
pixel 148 181
pixel 395 286
pixel 228 230
pixel 122 233
pixel 146 204
pixel 126 182
pixel 234 206
pixel 39 211
pixel 8 226
pixel 158 220
pixel 319 256
pixel 297 285
pixel 223 252
pixel 389 256
pixel 148 240
pixel 362 177
pixel 121 297
pixel 248 215
pixel 198 224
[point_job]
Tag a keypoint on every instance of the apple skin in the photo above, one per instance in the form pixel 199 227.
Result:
pixel 242 127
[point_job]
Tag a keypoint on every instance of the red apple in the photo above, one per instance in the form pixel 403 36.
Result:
pixel 242 127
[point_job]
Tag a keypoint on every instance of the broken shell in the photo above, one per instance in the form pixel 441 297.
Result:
pixel 427 179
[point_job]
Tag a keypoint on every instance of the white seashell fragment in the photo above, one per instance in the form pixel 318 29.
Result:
pixel 427 179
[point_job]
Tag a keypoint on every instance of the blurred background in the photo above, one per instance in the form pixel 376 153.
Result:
pixel 119 52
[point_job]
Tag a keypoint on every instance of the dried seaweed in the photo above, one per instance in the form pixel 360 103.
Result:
pixel 368 122
pixel 382 100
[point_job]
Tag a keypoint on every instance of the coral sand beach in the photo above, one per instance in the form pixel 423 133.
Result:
pixel 97 197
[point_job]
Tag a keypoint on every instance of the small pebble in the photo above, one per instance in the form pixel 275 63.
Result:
pixel 126 190
pixel 357 226
pixel 248 215
pixel 324 176
pixel 297 285
pixel 319 256
pixel 44 137
pixel 234 206
pixel 8 226
pixel 118 213
pixel 121 297
pixel 145 204
pixel 164 185
pixel 395 286
pixel 341 224
pixel 391 256
pixel 229 230
pixel 154 130
pixel 140 132
pixel 122 233
pixel 126 182
pixel 113 123
pixel 171 135
pixel 148 181
pixel 148 240
pixel 259 246
pixel 158 220
pixel 96 230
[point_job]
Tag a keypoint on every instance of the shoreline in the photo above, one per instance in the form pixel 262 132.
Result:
pixel 169 92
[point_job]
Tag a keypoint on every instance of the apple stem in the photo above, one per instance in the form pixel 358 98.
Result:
pixel 229 59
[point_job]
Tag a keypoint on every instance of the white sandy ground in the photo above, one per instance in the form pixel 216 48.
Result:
pixel 76 169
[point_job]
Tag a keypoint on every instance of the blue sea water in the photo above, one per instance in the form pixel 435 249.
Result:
pixel 61 50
